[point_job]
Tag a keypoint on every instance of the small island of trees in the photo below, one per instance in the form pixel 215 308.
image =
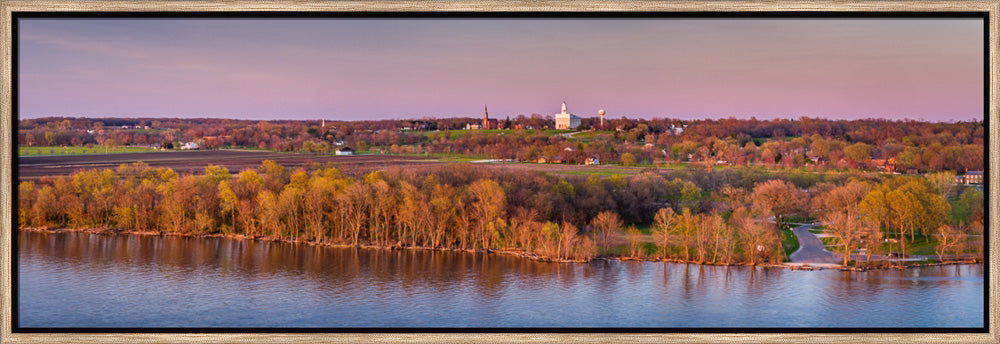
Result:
pixel 731 216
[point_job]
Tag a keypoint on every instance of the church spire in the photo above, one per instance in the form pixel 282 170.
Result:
pixel 486 117
pixel 564 107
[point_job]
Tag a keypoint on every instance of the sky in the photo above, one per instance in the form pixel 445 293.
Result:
pixel 371 68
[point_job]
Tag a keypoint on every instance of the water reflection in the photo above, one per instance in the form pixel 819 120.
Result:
pixel 75 279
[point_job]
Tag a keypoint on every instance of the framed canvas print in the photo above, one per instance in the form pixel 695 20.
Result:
pixel 480 171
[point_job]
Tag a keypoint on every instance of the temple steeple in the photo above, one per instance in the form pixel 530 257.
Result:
pixel 486 117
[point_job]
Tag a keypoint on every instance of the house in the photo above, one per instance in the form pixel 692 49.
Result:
pixel 345 151
pixel 888 165
pixel 190 145
pixel 974 177
pixel 592 161
pixel 960 179
pixel 473 126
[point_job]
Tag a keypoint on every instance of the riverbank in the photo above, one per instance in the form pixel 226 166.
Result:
pixel 517 253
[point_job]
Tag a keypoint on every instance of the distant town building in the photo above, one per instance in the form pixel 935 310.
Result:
pixel 487 123
pixel 974 177
pixel 190 145
pixel 345 151
pixel 592 161
pixel 677 129
pixel 888 165
pixel 486 117
pixel 565 120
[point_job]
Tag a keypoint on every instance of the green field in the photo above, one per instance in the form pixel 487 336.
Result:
pixel 789 242
pixel 51 150
pixel 456 134
pixel 590 135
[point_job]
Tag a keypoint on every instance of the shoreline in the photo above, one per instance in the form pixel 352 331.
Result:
pixel 520 254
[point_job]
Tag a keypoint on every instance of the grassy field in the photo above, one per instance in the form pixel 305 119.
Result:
pixel 789 242
pixel 921 245
pixel 456 134
pixel 603 172
pixel 596 134
pixel 52 150
pixel 454 157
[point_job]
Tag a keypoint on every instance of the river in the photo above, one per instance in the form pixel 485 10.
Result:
pixel 90 280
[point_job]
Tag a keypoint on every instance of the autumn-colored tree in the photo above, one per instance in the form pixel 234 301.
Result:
pixel 228 202
pixel 488 204
pixel 780 198
pixel 444 208
pixel 607 226
pixel 858 152
pixel 875 208
pixel 759 238
pixel 842 198
pixel 634 238
pixel 567 240
pixel 628 159
pixel 663 223
pixel 246 187
pixel 871 239
pixel 942 182
pixel 268 217
pixel 846 228
pixel 685 231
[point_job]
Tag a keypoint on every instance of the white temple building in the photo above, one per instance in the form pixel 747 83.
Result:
pixel 566 120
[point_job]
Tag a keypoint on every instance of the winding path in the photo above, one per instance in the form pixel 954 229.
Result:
pixel 811 249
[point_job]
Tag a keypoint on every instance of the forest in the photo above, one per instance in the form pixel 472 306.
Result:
pixel 730 216
pixel 817 144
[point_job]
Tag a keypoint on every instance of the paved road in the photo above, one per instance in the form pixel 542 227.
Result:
pixel 811 248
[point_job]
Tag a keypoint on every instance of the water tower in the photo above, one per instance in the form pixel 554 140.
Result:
pixel 601 112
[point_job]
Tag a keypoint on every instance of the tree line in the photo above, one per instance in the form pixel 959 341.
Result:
pixel 858 144
pixel 467 207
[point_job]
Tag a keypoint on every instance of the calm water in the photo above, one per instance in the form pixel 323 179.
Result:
pixel 83 280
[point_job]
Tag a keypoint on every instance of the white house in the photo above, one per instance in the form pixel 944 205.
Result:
pixel 345 151
pixel 190 145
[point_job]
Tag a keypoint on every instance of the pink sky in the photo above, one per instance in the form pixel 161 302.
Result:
pixel 352 69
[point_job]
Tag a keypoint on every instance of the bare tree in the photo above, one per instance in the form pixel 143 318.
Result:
pixel 607 225
pixel 949 240
pixel 846 227
pixel 663 223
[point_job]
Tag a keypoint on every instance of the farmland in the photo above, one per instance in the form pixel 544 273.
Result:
pixel 34 167
pixel 78 150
